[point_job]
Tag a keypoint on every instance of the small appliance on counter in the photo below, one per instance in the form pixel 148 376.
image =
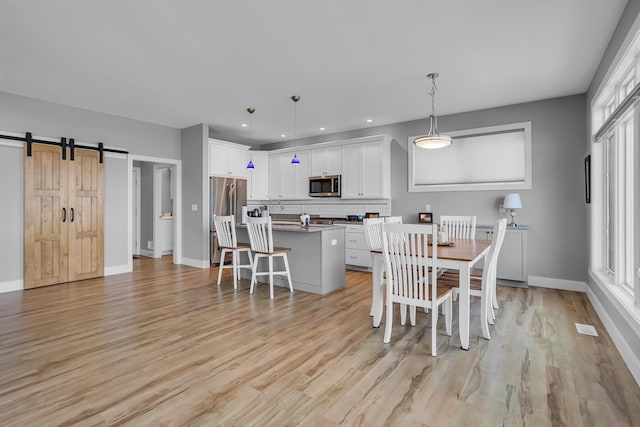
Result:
pixel 304 220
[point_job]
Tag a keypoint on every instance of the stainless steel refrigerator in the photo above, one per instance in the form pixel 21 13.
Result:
pixel 226 197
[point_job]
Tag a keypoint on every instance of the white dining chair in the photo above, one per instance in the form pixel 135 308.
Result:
pixel 226 233
pixel 483 281
pixel 261 238
pixel 409 281
pixel 459 227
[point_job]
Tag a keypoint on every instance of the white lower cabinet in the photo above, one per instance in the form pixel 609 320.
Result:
pixel 512 261
pixel 356 249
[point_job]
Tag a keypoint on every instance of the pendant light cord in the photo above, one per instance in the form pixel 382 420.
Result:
pixel 432 92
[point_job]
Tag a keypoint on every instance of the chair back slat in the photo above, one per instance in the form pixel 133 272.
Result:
pixel 458 226
pixel 225 231
pixel 260 234
pixel 373 232
pixel 489 273
pixel 405 249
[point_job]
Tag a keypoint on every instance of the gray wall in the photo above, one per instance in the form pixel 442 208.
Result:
pixel 21 114
pixel 146 204
pixel 553 209
pixel 11 213
pixel 630 332
pixel 115 211
pixel 195 170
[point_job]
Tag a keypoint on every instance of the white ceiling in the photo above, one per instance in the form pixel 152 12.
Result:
pixel 179 63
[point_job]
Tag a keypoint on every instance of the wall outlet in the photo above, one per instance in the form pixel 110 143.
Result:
pixel 194 208
pixel 334 242
pixel 150 244
pixel 427 208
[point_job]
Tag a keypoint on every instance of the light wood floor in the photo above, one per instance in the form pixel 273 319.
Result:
pixel 166 346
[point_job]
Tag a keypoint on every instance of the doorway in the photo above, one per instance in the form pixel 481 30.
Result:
pixel 155 201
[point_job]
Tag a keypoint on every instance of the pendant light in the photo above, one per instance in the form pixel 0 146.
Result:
pixel 433 140
pixel 251 111
pixel 295 98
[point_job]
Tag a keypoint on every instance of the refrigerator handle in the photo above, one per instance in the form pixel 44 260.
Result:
pixel 230 194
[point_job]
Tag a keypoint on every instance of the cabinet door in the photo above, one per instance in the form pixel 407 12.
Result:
pixel 218 159
pixel 326 161
pixel 258 177
pixel 351 172
pixel 512 260
pixel 371 176
pixel 275 177
pixel 302 175
pixel 237 163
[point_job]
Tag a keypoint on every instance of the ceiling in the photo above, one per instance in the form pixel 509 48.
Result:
pixel 179 63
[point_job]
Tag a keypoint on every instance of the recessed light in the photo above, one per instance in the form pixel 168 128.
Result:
pixel 283 136
pixel 369 120
pixel 244 125
pixel 321 128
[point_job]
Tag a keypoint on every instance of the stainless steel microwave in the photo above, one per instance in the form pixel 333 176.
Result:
pixel 325 186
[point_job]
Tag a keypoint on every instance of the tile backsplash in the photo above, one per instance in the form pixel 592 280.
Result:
pixel 332 208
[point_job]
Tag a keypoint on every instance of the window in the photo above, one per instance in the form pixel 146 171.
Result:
pixel 615 246
pixel 476 165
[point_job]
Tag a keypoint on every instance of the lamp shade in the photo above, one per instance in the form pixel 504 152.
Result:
pixel 512 201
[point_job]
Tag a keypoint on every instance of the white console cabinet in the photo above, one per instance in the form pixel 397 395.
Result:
pixel 512 261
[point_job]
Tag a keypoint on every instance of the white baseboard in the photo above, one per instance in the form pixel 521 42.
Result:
pixel 14 285
pixel 562 284
pixel 629 357
pixel 117 269
pixel 197 263
pixel 146 252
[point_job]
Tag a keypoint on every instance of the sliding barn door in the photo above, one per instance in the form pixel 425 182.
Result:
pixel 63 216
pixel 86 229
pixel 46 217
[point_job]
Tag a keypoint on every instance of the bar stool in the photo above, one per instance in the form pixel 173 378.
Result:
pixel 261 238
pixel 226 233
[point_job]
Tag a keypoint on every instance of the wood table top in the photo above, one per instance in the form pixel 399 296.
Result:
pixel 464 249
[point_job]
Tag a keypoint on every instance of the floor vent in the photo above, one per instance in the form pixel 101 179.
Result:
pixel 586 329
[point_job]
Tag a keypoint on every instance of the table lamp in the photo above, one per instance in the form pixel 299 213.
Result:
pixel 512 201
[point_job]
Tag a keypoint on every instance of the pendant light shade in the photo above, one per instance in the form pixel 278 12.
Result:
pixel 295 98
pixel 433 140
pixel 251 111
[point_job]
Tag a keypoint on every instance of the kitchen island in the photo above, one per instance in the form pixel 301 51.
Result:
pixel 316 260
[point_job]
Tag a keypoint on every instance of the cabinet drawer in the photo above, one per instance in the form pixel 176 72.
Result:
pixel 355 241
pixel 354 228
pixel 358 257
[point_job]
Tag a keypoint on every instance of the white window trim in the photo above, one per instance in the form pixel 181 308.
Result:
pixel 523 185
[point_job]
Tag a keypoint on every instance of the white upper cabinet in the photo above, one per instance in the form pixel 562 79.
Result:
pixel 227 159
pixel 258 177
pixel 366 169
pixel 287 181
pixel 326 161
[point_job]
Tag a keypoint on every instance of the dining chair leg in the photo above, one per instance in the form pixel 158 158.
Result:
pixel 234 268
pixel 448 314
pixel 270 276
pixel 286 267
pixel 494 296
pixel 434 325
pixel 484 313
pixel 253 273
pixel 412 315
pixel 403 314
pixel 222 254
pixel 388 321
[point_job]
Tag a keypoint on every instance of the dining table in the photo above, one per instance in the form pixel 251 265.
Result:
pixel 459 254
